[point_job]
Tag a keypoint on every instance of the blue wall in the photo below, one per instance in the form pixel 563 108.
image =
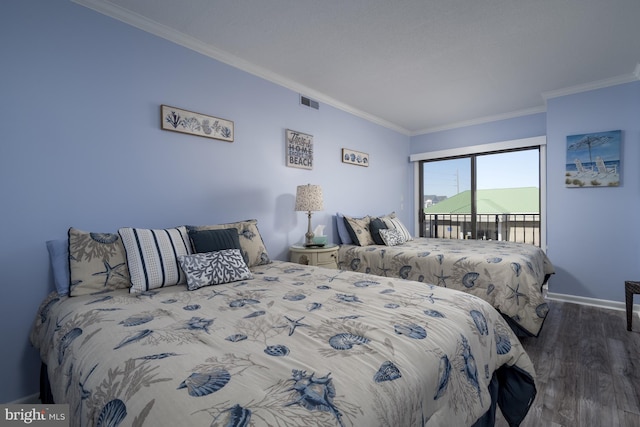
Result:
pixel 81 146
pixel 592 234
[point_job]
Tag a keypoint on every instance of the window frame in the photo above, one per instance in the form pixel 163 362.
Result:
pixel 539 142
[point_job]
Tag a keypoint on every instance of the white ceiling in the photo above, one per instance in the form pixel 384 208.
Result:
pixel 412 65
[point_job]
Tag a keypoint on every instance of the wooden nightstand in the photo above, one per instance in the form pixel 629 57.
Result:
pixel 326 256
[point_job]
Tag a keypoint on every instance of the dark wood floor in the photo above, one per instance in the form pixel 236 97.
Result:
pixel 588 369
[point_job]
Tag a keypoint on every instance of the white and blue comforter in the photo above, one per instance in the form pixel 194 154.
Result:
pixel 508 275
pixel 294 346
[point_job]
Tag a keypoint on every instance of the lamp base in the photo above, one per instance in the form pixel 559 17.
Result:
pixel 308 237
pixel 309 241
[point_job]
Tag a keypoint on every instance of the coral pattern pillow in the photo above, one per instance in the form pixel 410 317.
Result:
pixel 392 237
pixel 96 262
pixel 214 268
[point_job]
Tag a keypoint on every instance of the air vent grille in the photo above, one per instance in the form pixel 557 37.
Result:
pixel 308 102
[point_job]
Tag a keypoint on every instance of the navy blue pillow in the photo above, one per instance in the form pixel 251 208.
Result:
pixel 375 226
pixel 215 240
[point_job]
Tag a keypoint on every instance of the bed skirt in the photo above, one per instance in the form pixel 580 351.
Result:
pixel 45 388
pixel 519 380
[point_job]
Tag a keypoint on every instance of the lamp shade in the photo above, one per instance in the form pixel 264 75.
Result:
pixel 309 198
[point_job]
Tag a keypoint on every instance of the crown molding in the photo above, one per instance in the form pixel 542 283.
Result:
pixel 600 84
pixel 482 120
pixel 162 31
pixel 572 90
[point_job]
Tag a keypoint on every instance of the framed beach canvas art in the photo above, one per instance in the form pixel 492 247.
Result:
pixel 593 160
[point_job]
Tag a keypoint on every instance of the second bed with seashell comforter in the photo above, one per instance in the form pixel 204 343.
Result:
pixel 508 275
pixel 293 346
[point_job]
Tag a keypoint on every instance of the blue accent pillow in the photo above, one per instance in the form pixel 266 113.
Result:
pixel 214 240
pixel 59 258
pixel 343 233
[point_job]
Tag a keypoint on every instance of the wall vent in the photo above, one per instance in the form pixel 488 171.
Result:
pixel 309 102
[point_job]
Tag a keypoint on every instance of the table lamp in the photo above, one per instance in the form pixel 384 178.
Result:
pixel 309 199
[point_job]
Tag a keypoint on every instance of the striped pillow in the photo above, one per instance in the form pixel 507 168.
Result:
pixel 396 224
pixel 152 256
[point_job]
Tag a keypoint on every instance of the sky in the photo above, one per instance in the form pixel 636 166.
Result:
pixel 504 170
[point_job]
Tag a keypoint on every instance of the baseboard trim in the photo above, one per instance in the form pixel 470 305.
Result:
pixel 594 302
pixel 28 400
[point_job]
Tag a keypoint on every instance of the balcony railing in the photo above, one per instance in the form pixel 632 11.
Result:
pixel 522 228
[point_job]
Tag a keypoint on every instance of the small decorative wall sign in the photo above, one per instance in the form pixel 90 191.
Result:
pixel 355 157
pixel 299 148
pixel 593 160
pixel 179 120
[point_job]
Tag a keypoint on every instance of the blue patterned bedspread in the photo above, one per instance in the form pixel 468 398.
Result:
pixel 507 275
pixel 294 346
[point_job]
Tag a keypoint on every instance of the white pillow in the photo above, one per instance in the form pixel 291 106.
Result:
pixel 152 256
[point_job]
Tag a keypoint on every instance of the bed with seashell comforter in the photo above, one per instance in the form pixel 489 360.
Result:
pixel 292 346
pixel 510 276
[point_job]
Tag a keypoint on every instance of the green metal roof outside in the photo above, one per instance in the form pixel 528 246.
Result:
pixel 493 201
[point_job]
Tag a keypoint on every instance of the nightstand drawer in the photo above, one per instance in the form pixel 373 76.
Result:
pixel 327 258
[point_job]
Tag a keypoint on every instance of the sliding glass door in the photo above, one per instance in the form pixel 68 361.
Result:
pixel 489 196
pixel 446 198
